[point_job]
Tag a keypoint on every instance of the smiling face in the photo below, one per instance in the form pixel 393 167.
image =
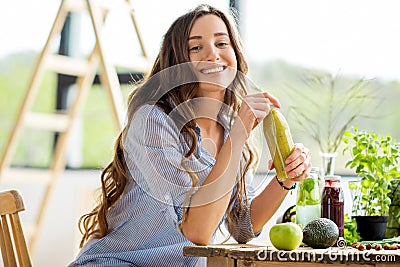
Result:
pixel 212 54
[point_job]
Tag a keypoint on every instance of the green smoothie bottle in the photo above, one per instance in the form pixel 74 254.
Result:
pixel 279 140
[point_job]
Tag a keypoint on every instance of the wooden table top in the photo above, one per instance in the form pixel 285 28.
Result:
pixel 333 255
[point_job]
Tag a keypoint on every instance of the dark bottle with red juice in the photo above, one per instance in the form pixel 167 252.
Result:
pixel 333 202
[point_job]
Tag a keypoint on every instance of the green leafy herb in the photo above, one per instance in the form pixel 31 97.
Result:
pixel 308 193
pixel 375 159
pixel 350 230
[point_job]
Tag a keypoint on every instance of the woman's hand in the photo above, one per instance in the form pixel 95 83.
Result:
pixel 254 108
pixel 298 164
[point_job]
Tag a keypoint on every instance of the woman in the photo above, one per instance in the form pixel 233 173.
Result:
pixel 183 164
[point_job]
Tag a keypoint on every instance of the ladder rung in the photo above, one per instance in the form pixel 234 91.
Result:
pixel 57 122
pixel 67 65
pixel 25 175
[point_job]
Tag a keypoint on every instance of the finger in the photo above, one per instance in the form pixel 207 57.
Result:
pixel 302 159
pixel 297 151
pixel 300 176
pixel 273 99
pixel 294 155
pixel 271 164
pixel 304 174
pixel 258 99
pixel 297 172
pixel 259 106
pixel 259 109
pixel 298 162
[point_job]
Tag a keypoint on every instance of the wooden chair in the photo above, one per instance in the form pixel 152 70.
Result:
pixel 14 250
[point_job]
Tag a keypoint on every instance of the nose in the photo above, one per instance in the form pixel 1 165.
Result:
pixel 212 54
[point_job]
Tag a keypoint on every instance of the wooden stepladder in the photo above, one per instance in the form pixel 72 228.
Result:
pixel 61 122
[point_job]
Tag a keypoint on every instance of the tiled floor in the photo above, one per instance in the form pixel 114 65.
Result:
pixel 58 240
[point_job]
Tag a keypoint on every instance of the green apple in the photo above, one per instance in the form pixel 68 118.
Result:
pixel 286 236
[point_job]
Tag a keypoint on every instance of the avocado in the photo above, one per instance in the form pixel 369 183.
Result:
pixel 320 233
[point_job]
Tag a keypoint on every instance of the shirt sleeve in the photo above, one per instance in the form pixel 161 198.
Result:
pixel 242 228
pixel 154 150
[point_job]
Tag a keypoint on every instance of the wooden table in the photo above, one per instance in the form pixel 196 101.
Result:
pixel 253 255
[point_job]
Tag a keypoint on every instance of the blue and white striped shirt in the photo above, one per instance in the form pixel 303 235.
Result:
pixel 144 223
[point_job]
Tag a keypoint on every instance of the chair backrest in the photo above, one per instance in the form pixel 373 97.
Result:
pixel 14 250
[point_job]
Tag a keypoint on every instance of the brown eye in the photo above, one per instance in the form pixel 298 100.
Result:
pixel 222 44
pixel 194 48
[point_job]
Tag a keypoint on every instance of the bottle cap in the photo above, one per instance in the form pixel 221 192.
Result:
pixel 333 177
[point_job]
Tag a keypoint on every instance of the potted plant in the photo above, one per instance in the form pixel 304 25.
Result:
pixel 375 159
pixel 393 225
pixel 325 105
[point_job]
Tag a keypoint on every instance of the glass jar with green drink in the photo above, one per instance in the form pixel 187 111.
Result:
pixel 308 204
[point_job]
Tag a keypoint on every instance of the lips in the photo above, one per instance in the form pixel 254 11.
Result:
pixel 213 70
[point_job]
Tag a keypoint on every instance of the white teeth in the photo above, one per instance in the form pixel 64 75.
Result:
pixel 208 71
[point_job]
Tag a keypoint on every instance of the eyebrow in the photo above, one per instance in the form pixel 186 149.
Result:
pixel 215 34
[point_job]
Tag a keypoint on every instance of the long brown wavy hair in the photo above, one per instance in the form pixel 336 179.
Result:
pixel 174 50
